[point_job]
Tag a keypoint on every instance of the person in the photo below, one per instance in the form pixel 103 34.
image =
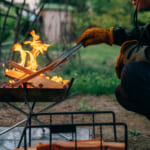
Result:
pixel 133 63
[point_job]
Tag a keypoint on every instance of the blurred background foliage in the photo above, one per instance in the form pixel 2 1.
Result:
pixel 102 13
pixel 94 71
pixel 88 13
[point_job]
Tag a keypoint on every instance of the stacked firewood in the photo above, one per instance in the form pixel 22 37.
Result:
pixel 36 79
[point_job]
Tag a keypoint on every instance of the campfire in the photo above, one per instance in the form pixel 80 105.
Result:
pixel 26 69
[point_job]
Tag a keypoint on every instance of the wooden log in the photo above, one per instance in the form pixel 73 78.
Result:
pixel 82 145
pixel 25 70
pixel 15 65
pixel 37 82
pixel 40 82
pixel 15 74
pixel 34 74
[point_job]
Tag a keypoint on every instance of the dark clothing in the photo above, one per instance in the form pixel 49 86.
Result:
pixel 134 91
pixel 121 35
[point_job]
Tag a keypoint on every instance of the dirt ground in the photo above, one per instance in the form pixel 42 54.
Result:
pixel 136 123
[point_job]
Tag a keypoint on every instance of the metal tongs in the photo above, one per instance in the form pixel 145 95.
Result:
pixel 64 56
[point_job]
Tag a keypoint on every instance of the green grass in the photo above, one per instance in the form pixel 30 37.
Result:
pixel 94 73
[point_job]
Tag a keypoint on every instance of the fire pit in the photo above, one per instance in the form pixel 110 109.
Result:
pixel 28 84
pixel 35 94
pixel 38 86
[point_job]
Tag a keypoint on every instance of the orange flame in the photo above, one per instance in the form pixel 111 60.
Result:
pixel 37 48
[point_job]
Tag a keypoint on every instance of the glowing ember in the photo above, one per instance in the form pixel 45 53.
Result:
pixel 59 79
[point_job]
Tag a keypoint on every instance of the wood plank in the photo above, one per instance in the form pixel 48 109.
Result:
pixel 40 82
pixel 82 145
pixel 33 75
pixel 15 74
pixel 23 69
pixel 15 65
pixel 37 82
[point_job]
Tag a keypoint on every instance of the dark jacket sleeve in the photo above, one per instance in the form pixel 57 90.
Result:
pixel 121 35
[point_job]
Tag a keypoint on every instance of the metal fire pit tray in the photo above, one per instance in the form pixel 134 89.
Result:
pixel 33 94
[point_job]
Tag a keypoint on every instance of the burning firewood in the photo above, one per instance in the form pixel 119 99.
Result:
pixel 19 67
pixel 37 82
pixel 26 79
pixel 15 74
pixel 26 70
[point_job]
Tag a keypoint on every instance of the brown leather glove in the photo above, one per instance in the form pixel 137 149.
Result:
pixel 94 36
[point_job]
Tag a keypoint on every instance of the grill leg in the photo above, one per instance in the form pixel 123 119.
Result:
pixel 24 130
pixel 22 135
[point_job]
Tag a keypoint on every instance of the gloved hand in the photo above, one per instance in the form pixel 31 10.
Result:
pixel 94 36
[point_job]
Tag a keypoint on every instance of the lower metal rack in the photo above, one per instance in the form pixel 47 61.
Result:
pixel 72 126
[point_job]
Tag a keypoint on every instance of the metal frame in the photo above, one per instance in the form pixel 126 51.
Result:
pixel 71 128
pixel 93 113
pixel 30 113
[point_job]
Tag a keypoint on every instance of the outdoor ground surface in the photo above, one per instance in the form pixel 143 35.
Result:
pixel 137 124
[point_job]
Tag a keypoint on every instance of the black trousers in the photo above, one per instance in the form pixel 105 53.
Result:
pixel 133 93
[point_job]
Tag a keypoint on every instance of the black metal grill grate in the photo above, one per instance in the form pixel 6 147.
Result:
pixel 56 128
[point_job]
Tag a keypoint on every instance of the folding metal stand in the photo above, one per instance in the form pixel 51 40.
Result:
pixel 31 108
